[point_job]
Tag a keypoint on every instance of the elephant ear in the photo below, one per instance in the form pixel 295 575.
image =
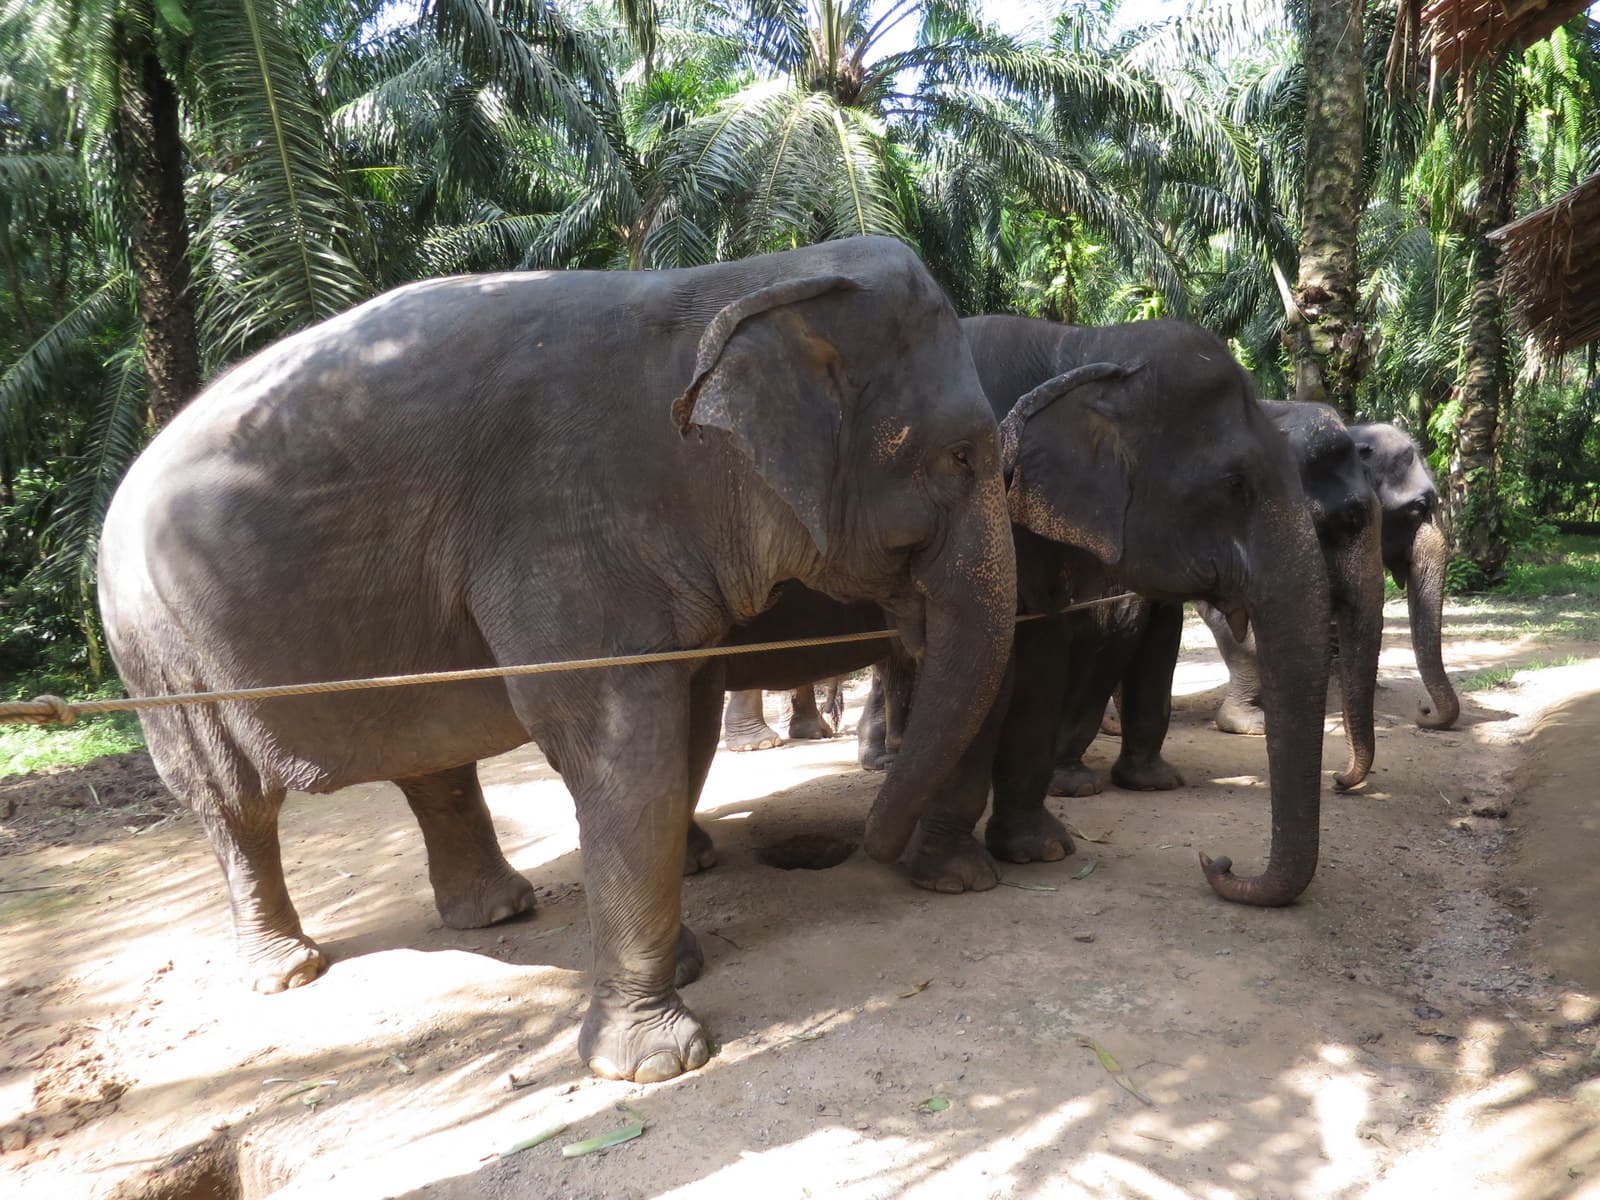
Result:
pixel 766 376
pixel 1070 475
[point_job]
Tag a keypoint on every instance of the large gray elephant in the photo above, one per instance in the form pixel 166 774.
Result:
pixel 1415 553
pixel 1344 509
pixel 520 468
pixel 1136 457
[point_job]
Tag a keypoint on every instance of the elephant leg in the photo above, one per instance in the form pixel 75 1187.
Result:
pixel 627 766
pixel 833 703
pixel 1240 710
pixel 1021 829
pixel 1093 663
pixel 243 832
pixel 473 884
pixel 1146 706
pixel 805 722
pixel 944 856
pixel 705 711
pixel 888 707
pixel 745 725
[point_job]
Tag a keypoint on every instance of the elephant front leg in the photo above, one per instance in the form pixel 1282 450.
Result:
pixel 1146 706
pixel 473 884
pixel 630 776
pixel 805 721
pixel 705 711
pixel 1240 710
pixel 1021 829
pixel 745 723
pixel 244 836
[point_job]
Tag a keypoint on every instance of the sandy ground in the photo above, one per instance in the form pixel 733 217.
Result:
pixel 1423 1023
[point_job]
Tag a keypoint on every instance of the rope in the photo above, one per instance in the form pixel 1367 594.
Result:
pixel 45 710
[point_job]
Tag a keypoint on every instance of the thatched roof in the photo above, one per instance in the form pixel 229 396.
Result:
pixel 1550 269
pixel 1464 30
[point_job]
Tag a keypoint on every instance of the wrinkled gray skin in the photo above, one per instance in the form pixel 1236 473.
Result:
pixel 1344 509
pixel 519 468
pixel 1414 552
pixel 1169 481
pixel 744 721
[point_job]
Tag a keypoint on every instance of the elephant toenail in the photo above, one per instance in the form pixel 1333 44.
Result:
pixel 699 1053
pixel 663 1064
pixel 605 1068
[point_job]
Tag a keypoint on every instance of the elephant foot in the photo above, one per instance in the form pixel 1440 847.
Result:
pixel 1033 836
pixel 878 761
pixel 1111 724
pixel 811 727
pixel 690 961
pixel 642 1040
pixel 755 737
pixel 953 866
pixel 469 905
pixel 699 854
pixel 1075 780
pixel 1157 776
pixel 281 963
pixel 1241 716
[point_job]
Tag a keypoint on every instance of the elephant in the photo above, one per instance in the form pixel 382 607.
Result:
pixel 1414 553
pixel 1344 508
pixel 530 467
pixel 744 721
pixel 1136 456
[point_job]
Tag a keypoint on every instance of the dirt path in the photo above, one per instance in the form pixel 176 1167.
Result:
pixel 1423 1023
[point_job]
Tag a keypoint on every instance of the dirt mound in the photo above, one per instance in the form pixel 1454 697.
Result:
pixel 105 798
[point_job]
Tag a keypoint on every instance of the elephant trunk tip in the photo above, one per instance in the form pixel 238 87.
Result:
pixel 1352 777
pixel 887 834
pixel 1270 889
pixel 1438 716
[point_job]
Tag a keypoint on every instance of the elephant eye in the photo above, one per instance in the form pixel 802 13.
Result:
pixel 958 459
pixel 1366 451
pixel 1238 488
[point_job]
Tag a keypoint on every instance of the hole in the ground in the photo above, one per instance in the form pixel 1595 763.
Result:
pixel 807 852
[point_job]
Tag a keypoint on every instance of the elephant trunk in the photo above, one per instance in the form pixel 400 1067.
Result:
pixel 970 586
pixel 1357 590
pixel 1286 605
pixel 1425 595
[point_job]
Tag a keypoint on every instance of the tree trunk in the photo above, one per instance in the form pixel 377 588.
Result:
pixel 150 168
pixel 1325 336
pixel 1473 487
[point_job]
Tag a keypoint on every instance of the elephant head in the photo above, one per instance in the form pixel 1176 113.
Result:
pixel 1148 452
pixel 1414 552
pixel 853 395
pixel 1344 511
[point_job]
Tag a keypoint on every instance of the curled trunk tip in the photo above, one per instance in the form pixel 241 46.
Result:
pixel 1270 889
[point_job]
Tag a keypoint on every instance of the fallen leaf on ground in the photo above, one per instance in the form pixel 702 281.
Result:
pixel 399 1064
pixel 1027 887
pixel 935 1104
pixel 1087 869
pixel 537 1139
pixel 1084 837
pixel 613 1137
pixel 921 987
pixel 1114 1069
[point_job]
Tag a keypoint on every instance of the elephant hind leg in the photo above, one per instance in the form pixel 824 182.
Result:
pixel 243 831
pixel 1146 705
pixel 744 724
pixel 473 885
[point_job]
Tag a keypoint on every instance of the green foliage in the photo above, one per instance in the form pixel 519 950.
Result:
pixel 26 748
pixel 1566 566
pixel 1088 170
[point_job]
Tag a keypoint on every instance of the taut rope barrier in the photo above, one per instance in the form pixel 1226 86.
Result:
pixel 45 710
